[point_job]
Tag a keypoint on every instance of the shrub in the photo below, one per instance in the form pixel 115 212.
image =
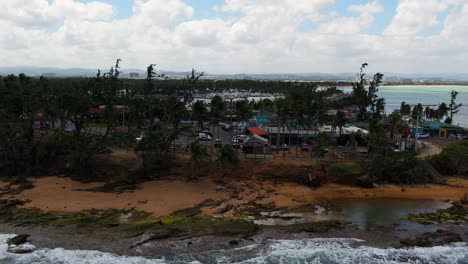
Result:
pixel 453 160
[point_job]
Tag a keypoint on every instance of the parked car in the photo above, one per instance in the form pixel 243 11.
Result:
pixel 203 137
pixel 204 131
pixel 239 138
pixel 218 142
pixel 420 135
pixel 227 127
pixel 282 147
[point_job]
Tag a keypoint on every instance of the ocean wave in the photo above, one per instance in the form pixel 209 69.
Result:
pixel 350 251
pixel 324 250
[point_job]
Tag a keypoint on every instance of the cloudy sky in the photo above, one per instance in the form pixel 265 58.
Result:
pixel 238 36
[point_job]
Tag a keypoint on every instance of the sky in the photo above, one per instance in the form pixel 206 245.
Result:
pixel 238 36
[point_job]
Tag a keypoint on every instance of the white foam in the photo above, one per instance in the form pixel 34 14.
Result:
pixel 63 256
pixel 349 251
pixel 273 251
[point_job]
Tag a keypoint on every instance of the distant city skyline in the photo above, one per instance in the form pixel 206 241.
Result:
pixel 238 36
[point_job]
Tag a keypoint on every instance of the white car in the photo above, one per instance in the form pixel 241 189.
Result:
pixel 203 137
pixel 419 135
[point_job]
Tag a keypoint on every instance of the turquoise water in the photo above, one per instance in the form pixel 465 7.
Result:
pixel 394 95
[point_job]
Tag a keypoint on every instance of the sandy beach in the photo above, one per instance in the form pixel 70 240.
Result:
pixel 166 196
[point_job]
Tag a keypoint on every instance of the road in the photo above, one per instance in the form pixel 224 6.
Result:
pixel 427 149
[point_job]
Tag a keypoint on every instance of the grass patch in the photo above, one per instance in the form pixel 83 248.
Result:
pixel 171 220
pixel 345 169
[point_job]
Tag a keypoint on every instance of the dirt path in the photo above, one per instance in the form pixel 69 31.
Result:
pixel 427 149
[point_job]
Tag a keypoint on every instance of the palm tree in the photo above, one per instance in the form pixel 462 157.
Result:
pixel 217 109
pixel 394 119
pixel 227 157
pixel 281 108
pixel 340 120
pixel 453 107
pixel 199 154
pixel 200 113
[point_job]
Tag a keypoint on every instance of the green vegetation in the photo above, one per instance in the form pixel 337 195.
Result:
pixel 58 126
pixel 453 160
pixel 345 169
pixel 456 214
pixel 401 168
pixel 116 223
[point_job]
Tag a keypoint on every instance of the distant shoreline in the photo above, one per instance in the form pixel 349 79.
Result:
pixel 422 85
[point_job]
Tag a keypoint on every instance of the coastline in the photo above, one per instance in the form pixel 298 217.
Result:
pixel 430 84
pixel 142 222
pixel 162 197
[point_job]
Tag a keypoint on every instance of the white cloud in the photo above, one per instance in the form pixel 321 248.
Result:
pixel 161 12
pixel 247 36
pixel 41 13
pixel 414 16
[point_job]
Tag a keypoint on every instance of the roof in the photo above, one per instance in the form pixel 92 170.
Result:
pixel 257 131
pixel 255 138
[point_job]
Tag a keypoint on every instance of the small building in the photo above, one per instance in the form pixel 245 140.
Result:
pixel 437 128
pixel 256 144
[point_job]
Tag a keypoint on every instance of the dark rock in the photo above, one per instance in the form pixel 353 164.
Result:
pixel 317 227
pixel 465 199
pixel 438 238
pixel 224 209
pixel 234 242
pixel 18 240
pixel 209 203
pixel 187 212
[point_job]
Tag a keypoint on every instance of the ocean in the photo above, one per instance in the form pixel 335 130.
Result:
pixel 323 250
pixel 432 95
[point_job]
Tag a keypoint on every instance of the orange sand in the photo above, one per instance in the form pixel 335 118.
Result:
pixel 165 196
